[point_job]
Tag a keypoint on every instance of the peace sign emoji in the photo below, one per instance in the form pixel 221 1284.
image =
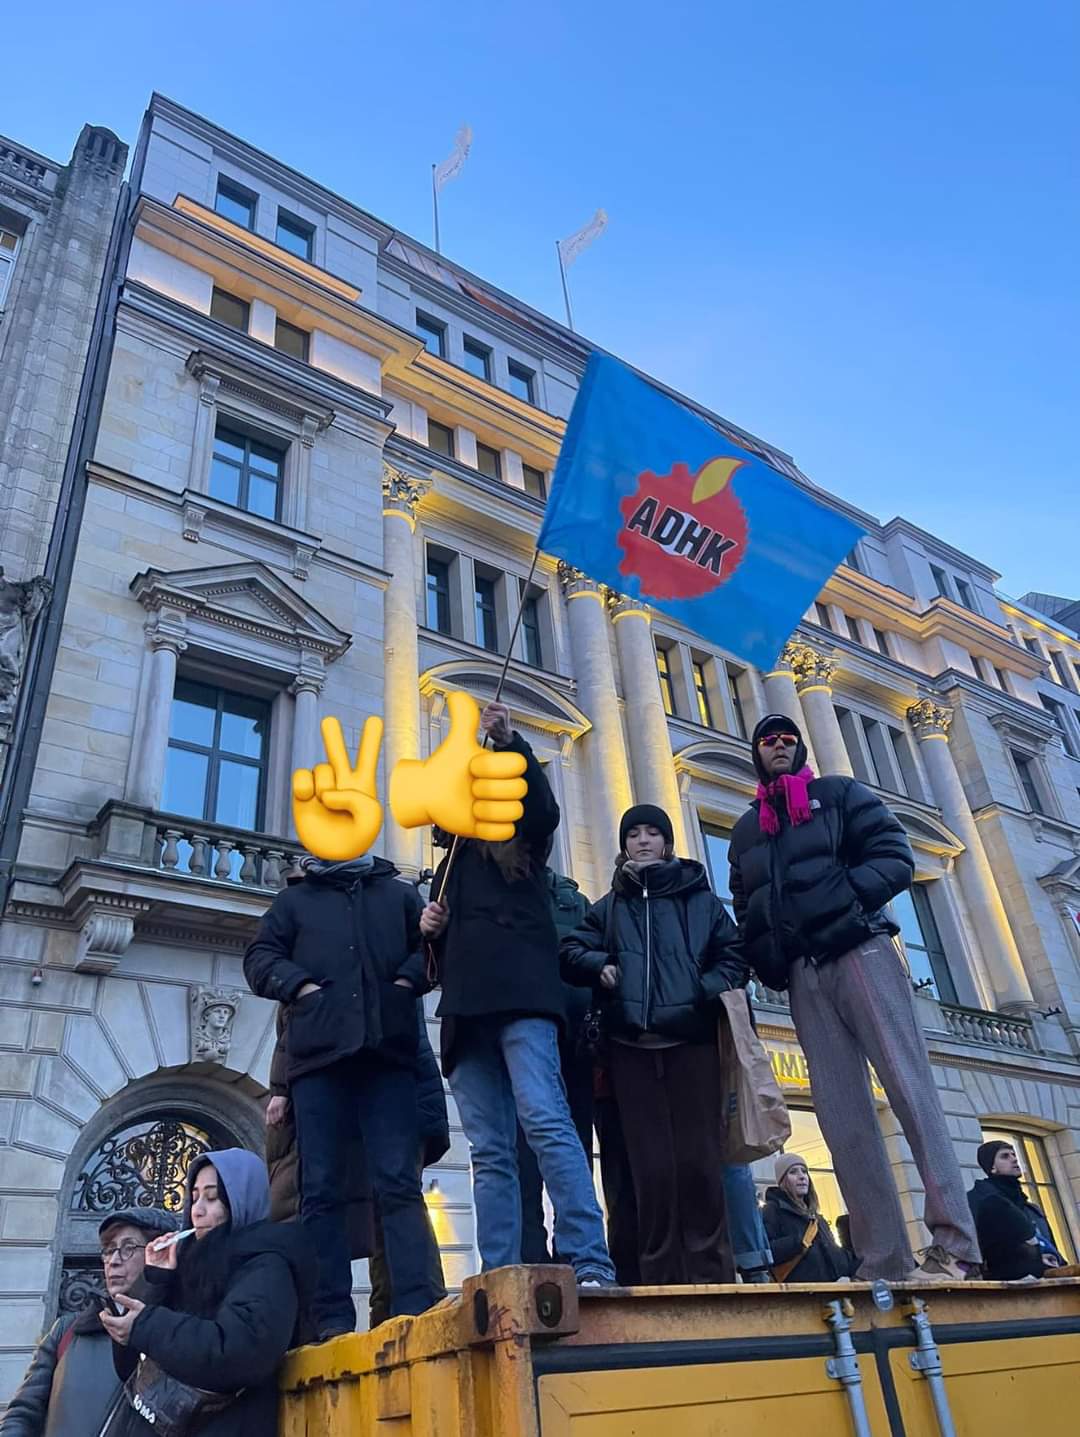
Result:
pixel 336 812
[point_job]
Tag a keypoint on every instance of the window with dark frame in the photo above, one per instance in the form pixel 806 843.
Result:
pixel 227 309
pixel 852 561
pixel 941 582
pixel 477 358
pixel 9 252
pixel 438 594
pixel 489 461
pixel 433 333
pixel 535 481
pixel 821 612
pixel 701 691
pixel 882 642
pixel 717 847
pixel 1057 658
pixel 667 691
pixel 295 235
pixel 922 942
pixel 1025 768
pixel 852 627
pixel 246 472
pixel 1032 645
pixel 522 382
pixel 1057 713
pixel 530 626
pixel 234 202
pixel 487 624
pixel 291 340
pixel 967 597
pixel 1076 671
pixel 999 674
pixel 869 726
pixel 215 767
pixel 733 677
pixel 440 438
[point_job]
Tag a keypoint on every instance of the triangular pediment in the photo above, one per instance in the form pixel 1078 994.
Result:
pixel 246 594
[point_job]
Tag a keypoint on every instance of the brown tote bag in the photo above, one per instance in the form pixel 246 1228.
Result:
pixel 755 1114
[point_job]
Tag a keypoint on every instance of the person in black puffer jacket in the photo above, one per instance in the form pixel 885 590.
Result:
pixel 216 1312
pixel 662 948
pixel 342 949
pixel 814 864
pixel 792 1216
pixel 1014 1235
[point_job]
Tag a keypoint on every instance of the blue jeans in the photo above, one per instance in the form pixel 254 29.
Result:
pixel 507 1072
pixel 362 1096
pixel 746 1231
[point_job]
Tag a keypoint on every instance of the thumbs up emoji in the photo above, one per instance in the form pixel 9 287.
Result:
pixel 466 789
pixel 336 812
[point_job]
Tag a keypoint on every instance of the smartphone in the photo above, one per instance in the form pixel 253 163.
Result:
pixel 113 1308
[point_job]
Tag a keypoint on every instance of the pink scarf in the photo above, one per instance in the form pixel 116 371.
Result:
pixel 793 787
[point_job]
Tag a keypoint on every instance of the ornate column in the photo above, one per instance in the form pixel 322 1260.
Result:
pixel 651 760
pixel 609 773
pixel 306 748
pixel 931 722
pixel 813 683
pixel 146 768
pixel 781 695
pixel 401 696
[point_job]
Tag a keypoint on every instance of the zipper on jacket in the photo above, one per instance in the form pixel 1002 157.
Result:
pixel 648 956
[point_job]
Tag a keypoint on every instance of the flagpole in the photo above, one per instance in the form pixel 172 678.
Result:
pixel 565 287
pixel 435 207
pixel 522 600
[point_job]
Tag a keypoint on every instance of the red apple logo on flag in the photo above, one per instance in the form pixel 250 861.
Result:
pixel 683 534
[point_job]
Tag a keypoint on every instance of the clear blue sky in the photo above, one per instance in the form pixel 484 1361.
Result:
pixel 848 227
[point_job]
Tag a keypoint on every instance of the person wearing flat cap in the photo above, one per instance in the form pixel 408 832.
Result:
pixel 661 948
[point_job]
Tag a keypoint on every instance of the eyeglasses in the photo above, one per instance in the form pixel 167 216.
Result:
pixel 125 1251
pixel 789 740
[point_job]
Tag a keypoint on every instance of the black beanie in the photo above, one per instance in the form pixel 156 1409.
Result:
pixel 645 813
pixel 988 1152
pixel 776 723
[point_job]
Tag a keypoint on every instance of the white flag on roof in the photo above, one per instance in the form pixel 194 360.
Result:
pixel 454 163
pixel 571 247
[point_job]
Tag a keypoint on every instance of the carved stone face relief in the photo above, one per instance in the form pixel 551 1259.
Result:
pixel 213 1011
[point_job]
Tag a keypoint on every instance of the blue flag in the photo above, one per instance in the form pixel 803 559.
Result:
pixel 655 503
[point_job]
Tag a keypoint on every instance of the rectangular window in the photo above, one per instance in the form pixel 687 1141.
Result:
pixel 909 773
pixel 870 734
pixel 701 693
pixel 530 627
pixel 850 730
pixel 733 677
pixel 852 628
pixel 489 461
pixel 246 472
pixel 216 761
pixel 822 613
pixel 882 641
pixel 438 595
pixel 9 249
pixel 979 665
pixel 433 333
pixel 487 626
pixel 967 598
pixel 522 382
pixel 478 359
pixel 1057 658
pixel 1025 768
pixel 291 340
pixel 535 481
pixel 227 309
pixel 1000 676
pixel 235 203
pixel 1038 1180
pixel 1032 645
pixel 663 669
pixel 922 942
pixel 1058 714
pixel 852 560
pixel 1076 671
pixel 440 437
pixel 941 582
pixel 295 235
pixel 717 844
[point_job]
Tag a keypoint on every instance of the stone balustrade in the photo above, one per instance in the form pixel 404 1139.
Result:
pixel 973 1025
pixel 226 855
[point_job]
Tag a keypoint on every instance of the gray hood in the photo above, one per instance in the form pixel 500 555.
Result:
pixel 247 1187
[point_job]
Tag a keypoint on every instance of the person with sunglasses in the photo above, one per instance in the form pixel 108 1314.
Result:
pixel 815 863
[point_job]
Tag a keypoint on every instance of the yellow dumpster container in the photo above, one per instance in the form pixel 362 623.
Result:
pixel 522 1353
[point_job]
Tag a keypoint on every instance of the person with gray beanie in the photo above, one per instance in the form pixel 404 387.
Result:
pixel 661 948
pixel 71 1385
pixel 803 1247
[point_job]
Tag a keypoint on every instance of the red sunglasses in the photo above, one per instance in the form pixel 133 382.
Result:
pixel 789 740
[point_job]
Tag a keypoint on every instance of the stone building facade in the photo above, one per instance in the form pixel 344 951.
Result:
pixel 315 489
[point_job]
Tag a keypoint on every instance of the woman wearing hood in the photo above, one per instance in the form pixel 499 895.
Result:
pixel 804 1249
pixel 662 948
pixel 199 1353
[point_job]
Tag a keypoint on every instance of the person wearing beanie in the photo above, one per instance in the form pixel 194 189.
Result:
pixel 71 1384
pixel 1015 1237
pixel 815 863
pixel 661 948
pixel 803 1247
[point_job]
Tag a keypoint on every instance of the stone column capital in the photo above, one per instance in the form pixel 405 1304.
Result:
pixel 812 669
pixel 575 583
pixel 787 659
pixel 161 640
pixel 402 492
pixel 930 719
pixel 621 606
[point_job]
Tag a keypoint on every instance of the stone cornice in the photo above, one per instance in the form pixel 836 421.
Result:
pixel 275 395
pixel 939 548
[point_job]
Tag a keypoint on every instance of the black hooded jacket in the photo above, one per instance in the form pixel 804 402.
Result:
pixel 1006 1221
pixel 819 889
pixel 353 933
pixel 674 944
